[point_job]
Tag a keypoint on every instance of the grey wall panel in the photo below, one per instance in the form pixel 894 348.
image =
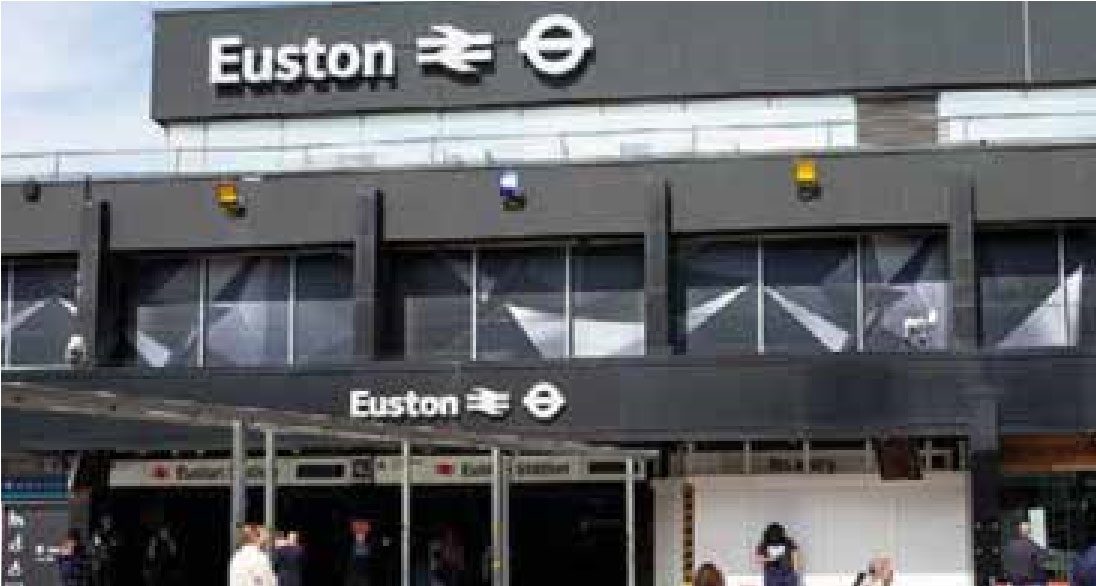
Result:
pixel 641 50
pixel 183 213
pixel 431 205
pixel 50 225
pixel 759 193
pixel 1063 48
pixel 672 398
pixel 1036 185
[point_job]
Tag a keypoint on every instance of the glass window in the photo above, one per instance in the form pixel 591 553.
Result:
pixel 810 295
pixel 42 313
pixel 1080 276
pixel 1066 113
pixel 1021 297
pixel 520 302
pixel 432 313
pixel 244 133
pixel 324 313
pixel 718 304
pixel 247 319
pixel 907 292
pixel 607 301
pixel 316 131
pixel 162 305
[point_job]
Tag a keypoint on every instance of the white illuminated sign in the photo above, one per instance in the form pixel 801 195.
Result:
pixel 553 45
pixel 543 401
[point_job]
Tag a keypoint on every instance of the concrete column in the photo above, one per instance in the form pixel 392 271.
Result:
pixel 964 269
pixel 92 305
pixel 656 252
pixel 367 244
pixel 985 474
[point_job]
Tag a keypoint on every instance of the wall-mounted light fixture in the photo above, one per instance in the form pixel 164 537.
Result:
pixel 513 198
pixel 229 199
pixel 808 185
pixel 32 191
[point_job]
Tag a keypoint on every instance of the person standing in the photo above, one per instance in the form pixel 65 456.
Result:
pixel 72 561
pixel 105 545
pixel 778 557
pixel 1084 568
pixel 1023 560
pixel 161 565
pixel 250 566
pixel 289 559
pixel 361 563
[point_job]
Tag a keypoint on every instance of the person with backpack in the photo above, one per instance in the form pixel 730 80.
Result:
pixel 778 557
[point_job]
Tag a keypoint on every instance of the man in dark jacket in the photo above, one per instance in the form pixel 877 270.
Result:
pixel 1023 560
pixel 1084 568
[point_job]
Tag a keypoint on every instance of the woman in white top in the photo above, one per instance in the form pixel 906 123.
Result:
pixel 250 565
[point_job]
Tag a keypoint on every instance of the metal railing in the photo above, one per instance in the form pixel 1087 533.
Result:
pixel 504 148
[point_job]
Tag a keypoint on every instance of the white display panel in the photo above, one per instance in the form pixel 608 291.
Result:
pixel 839 522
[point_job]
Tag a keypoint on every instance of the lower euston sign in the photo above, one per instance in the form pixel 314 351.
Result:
pixel 542 401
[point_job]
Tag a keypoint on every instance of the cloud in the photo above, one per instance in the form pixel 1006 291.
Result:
pixel 75 75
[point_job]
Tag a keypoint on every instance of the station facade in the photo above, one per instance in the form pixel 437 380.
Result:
pixel 836 261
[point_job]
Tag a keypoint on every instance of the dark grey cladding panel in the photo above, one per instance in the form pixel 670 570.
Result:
pixel 1063 48
pixel 279 211
pixel 1036 185
pixel 673 398
pixel 641 50
pixel 856 190
pixel 441 205
pixel 52 224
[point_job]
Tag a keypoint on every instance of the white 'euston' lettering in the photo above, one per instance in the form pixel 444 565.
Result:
pixel 363 403
pixel 232 62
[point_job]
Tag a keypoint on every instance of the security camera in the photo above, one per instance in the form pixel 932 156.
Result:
pixel 75 350
pixel 915 329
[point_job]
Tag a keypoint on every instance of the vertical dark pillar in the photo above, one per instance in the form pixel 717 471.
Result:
pixel 985 485
pixel 91 280
pixel 367 243
pixel 656 250
pixel 964 269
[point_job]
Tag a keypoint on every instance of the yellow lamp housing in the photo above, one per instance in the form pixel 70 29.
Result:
pixel 227 195
pixel 808 186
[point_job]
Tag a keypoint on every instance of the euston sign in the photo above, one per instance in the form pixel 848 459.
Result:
pixel 553 45
pixel 543 401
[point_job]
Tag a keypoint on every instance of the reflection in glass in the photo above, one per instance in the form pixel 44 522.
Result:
pixel 810 295
pixel 246 322
pixel 162 307
pixel 43 311
pixel 324 314
pixel 520 304
pixel 433 293
pixel 1021 297
pixel 607 301
pixel 719 310
pixel 1080 276
pixel 907 293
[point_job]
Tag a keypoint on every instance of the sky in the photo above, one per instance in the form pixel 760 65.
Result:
pixel 76 75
